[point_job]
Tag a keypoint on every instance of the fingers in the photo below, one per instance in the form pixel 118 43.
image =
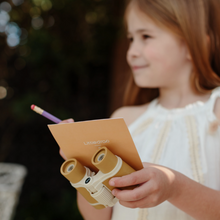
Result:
pixel 137 193
pixel 129 195
pixel 143 203
pixel 143 196
pixel 156 187
pixel 62 155
pixel 132 179
pixel 70 120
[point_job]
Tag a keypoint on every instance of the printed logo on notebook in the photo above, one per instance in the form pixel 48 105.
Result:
pixel 96 142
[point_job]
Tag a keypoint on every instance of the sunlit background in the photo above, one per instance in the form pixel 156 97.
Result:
pixel 67 57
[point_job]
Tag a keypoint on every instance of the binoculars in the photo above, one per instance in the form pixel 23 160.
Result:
pixel 94 187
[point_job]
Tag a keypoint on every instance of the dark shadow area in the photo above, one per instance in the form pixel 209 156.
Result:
pixel 58 55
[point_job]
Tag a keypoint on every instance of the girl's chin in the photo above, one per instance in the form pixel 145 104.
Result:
pixel 145 84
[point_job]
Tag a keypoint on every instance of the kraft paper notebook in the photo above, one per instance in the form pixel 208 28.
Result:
pixel 80 140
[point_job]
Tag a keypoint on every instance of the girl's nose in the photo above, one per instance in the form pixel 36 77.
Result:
pixel 134 50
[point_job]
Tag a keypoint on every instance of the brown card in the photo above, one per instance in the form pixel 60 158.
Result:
pixel 80 140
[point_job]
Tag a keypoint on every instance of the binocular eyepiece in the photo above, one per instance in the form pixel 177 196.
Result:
pixel 95 187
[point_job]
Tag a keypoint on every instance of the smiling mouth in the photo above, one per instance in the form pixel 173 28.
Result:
pixel 139 67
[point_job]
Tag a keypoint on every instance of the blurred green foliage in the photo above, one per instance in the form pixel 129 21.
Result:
pixel 63 65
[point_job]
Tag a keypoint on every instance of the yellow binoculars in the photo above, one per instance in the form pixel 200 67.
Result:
pixel 93 187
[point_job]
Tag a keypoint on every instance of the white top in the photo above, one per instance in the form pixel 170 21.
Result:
pixel 186 140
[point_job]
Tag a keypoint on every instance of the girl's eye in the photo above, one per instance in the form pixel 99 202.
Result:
pixel 145 36
pixel 130 39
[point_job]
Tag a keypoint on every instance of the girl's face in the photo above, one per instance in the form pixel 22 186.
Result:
pixel 156 56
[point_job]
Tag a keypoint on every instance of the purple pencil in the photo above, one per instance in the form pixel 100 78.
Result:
pixel 45 114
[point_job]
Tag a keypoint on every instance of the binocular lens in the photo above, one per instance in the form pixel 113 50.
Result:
pixel 100 158
pixel 104 160
pixel 70 168
pixel 73 170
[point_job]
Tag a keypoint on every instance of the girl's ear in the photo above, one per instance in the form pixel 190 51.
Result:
pixel 188 56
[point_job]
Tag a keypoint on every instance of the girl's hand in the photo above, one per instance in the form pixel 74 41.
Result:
pixel 70 120
pixel 156 184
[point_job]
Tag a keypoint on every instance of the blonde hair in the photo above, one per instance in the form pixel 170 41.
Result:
pixel 197 22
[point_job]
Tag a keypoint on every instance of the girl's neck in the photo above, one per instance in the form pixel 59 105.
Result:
pixel 180 97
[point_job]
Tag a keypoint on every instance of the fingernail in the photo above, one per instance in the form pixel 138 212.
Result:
pixel 70 120
pixel 113 192
pixel 111 183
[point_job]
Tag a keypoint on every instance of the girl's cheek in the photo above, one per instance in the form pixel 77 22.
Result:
pixel 151 54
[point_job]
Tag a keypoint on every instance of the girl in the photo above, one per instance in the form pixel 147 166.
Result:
pixel 173 113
